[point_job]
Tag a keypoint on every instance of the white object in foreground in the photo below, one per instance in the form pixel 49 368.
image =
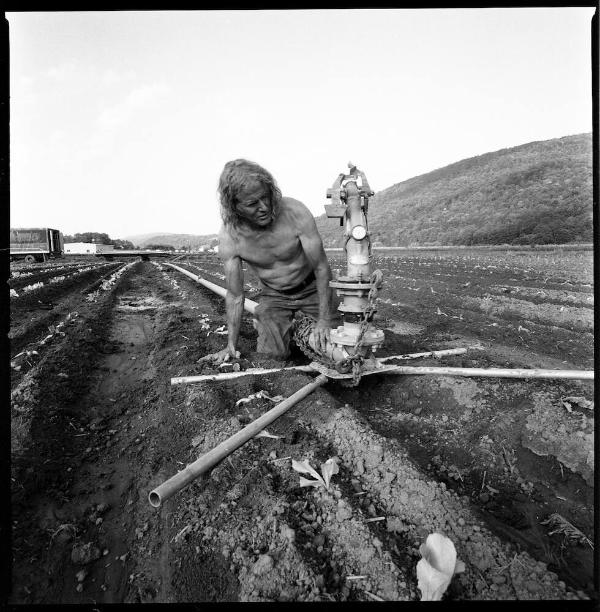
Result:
pixel 436 568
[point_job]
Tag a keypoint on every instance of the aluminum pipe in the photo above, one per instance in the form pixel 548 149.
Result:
pixel 492 372
pixel 249 305
pixel 157 496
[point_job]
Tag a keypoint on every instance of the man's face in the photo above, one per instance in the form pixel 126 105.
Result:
pixel 254 205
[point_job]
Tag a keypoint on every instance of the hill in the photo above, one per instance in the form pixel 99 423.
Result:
pixel 536 193
pixel 175 240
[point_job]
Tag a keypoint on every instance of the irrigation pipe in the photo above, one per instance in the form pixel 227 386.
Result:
pixel 492 372
pixel 249 305
pixel 204 463
pixel 442 353
pixel 179 380
pixel 410 370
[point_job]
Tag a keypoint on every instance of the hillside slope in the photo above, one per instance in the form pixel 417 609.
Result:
pixel 536 193
pixel 175 240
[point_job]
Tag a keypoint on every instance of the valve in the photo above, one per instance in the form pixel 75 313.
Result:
pixel 338 208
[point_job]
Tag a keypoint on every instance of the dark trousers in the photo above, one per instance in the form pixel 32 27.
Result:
pixel 275 316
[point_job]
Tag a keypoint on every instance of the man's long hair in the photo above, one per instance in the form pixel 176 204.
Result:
pixel 237 175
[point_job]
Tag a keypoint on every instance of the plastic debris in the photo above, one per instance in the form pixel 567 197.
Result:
pixel 436 568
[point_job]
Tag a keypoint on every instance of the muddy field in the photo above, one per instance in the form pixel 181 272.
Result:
pixel 502 467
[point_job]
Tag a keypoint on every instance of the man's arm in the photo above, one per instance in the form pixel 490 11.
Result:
pixel 234 299
pixel 315 253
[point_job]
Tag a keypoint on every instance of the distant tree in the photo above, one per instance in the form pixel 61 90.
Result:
pixel 95 237
pixel 123 244
pixel 160 247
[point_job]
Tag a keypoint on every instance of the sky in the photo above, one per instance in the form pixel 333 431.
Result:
pixel 121 121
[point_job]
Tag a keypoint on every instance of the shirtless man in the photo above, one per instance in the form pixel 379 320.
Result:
pixel 278 239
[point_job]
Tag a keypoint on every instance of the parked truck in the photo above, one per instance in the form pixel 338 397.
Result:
pixel 35 244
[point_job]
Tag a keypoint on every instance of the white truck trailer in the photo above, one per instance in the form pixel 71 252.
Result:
pixel 35 244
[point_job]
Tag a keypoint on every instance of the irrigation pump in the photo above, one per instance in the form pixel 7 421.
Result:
pixel 353 343
pixel 359 286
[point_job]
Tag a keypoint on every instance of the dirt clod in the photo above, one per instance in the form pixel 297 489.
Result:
pixel 82 554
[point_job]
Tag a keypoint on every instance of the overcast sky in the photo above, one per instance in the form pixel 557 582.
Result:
pixel 121 121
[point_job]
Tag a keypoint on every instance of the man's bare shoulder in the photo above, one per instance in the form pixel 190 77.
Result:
pixel 300 215
pixel 294 205
pixel 295 209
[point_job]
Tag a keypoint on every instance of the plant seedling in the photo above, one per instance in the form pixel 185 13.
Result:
pixel 328 469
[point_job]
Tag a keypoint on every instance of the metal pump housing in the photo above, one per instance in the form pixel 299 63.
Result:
pixel 349 203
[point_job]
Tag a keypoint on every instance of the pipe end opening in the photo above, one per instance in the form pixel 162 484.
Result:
pixel 154 499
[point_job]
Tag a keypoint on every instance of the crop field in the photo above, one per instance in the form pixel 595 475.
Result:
pixel 503 467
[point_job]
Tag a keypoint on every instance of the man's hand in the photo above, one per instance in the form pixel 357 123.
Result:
pixel 221 357
pixel 321 333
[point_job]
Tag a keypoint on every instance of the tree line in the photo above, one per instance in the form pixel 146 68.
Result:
pixel 98 238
